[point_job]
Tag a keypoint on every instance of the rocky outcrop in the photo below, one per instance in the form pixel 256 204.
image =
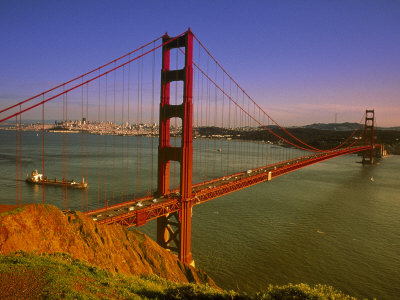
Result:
pixel 45 229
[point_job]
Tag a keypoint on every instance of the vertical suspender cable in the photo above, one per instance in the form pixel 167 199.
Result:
pixel 105 142
pixel 259 140
pixel 202 125
pixel 141 61
pixel 66 153
pixel 264 139
pixel 175 120
pixel 208 113
pixel 113 139
pixel 152 120
pixel 240 157
pixel 194 120
pixel 198 142
pixel 198 125
pixel 123 128
pixel 81 142
pixel 247 141
pixel 242 140
pixel 43 170
pixel 98 144
pixel 17 183
pixel 229 127
pixel 137 129
pixel 222 121
pixel 236 130
pixel 130 130
pixel 63 148
pixel 87 142
pixel 215 125
pixel 20 153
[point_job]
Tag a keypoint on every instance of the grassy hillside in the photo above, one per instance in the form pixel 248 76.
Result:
pixel 59 276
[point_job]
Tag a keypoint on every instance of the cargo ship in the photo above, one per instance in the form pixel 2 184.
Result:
pixel 38 178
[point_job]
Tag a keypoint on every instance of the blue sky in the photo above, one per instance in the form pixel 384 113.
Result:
pixel 302 61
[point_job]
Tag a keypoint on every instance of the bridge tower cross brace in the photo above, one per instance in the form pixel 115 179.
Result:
pixel 369 139
pixel 174 230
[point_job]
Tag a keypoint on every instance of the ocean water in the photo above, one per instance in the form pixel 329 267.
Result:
pixel 335 223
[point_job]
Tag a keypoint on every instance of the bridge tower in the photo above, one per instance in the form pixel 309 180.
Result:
pixel 174 230
pixel 368 155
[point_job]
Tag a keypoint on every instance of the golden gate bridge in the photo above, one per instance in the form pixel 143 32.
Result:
pixel 202 152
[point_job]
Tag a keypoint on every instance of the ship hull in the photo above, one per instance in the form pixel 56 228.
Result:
pixel 69 184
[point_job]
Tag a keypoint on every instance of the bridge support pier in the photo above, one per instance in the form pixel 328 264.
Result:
pixel 168 230
pixel 174 231
pixel 369 138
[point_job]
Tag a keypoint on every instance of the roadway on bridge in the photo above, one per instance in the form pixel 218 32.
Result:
pixel 137 212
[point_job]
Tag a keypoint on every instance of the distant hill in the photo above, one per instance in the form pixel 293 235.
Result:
pixel 342 126
pixel 397 128
pixel 333 126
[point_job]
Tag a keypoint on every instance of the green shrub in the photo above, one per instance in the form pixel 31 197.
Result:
pixel 61 276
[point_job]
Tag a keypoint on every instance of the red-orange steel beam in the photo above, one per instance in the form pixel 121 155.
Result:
pixel 369 136
pixel 136 217
pixel 182 154
pixel 208 192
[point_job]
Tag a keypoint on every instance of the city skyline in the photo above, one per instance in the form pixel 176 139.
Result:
pixel 303 63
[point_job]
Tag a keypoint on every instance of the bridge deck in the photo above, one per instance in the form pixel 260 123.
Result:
pixel 139 211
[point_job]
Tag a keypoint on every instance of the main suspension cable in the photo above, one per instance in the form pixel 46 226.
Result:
pixel 251 99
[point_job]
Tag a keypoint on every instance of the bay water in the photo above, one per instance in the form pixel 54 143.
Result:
pixel 335 223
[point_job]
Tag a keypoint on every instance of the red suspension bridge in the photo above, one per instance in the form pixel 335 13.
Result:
pixel 211 139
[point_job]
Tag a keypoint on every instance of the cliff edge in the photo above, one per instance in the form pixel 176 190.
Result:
pixel 45 229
